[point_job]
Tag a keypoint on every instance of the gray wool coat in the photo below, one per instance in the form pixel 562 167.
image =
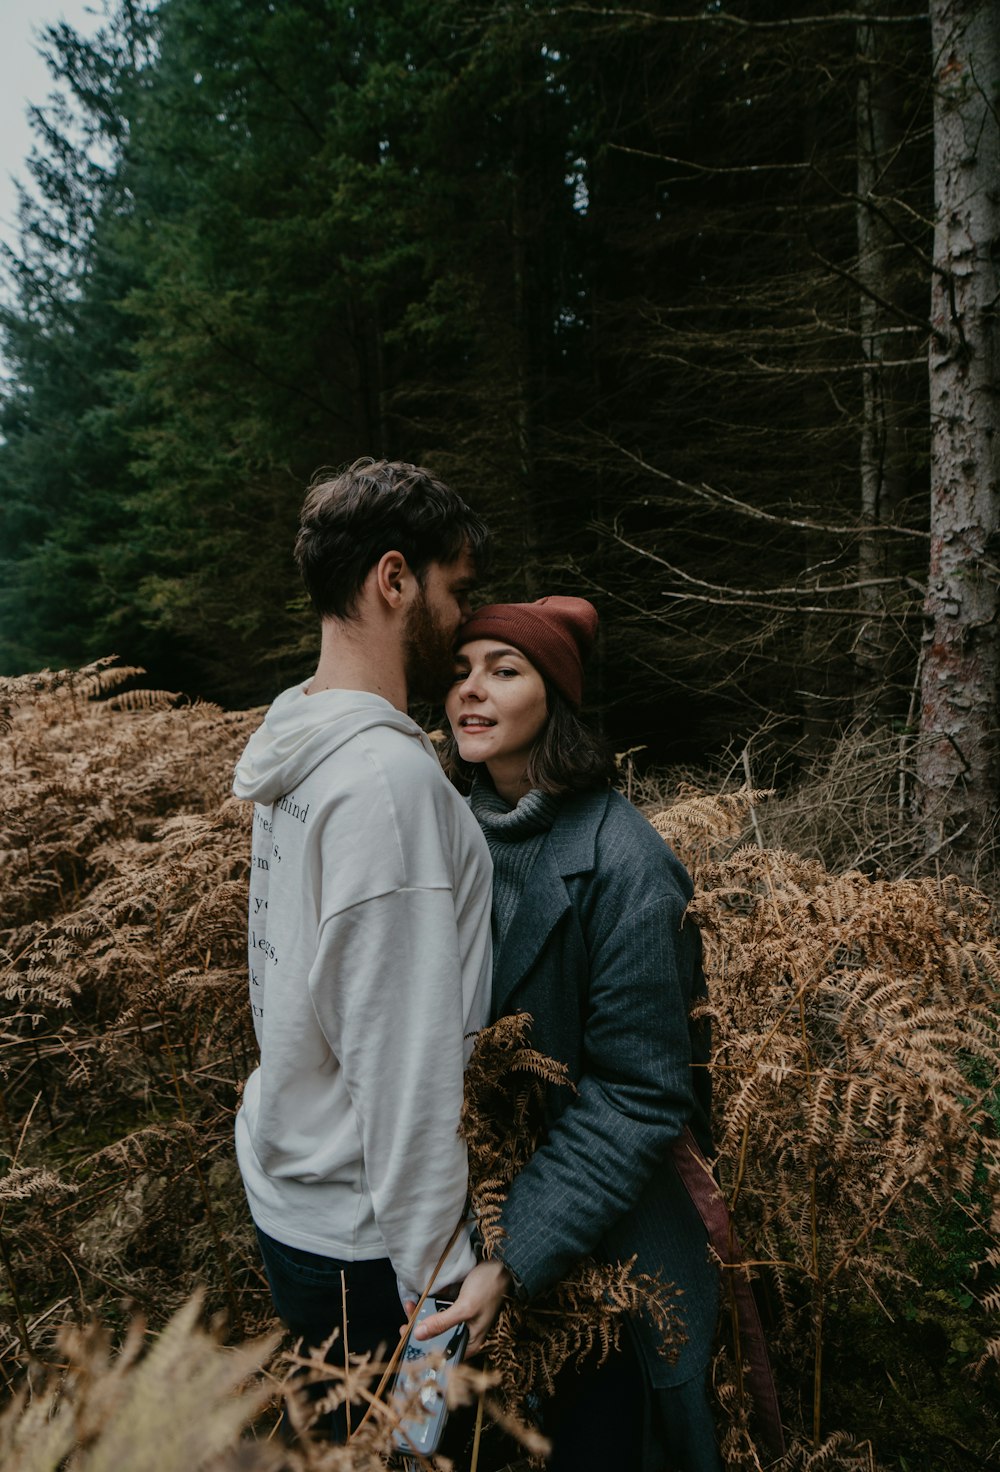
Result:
pixel 600 954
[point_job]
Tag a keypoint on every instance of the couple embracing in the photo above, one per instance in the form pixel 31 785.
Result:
pixel 390 918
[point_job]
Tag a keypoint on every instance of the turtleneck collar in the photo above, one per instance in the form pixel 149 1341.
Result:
pixel 534 813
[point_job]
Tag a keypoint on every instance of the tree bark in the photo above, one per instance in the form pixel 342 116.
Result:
pixel 957 755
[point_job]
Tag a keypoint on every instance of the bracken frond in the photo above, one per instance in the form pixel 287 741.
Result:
pixel 855 1070
pixel 701 826
pixel 502 1123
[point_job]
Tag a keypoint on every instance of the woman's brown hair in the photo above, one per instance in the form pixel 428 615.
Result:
pixel 567 757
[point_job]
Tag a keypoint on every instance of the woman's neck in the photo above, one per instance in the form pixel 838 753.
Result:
pixel 510 780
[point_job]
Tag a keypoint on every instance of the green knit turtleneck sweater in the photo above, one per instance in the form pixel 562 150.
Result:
pixel 514 835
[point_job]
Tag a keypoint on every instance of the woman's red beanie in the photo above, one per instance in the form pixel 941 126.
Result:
pixel 555 633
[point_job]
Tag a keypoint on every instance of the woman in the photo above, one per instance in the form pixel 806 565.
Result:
pixel 590 939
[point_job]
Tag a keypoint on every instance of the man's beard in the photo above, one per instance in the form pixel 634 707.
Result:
pixel 428 653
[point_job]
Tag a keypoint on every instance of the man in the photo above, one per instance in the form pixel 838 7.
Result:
pixel 369 926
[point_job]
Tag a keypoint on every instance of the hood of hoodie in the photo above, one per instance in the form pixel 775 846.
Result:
pixel 300 730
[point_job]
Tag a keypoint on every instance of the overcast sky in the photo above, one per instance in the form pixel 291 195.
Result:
pixel 24 79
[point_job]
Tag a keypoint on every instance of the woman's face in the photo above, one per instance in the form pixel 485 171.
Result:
pixel 496 706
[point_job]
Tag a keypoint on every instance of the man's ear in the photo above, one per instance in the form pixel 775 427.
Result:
pixel 392 578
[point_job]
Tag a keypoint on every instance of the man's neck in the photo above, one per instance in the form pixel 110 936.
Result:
pixel 352 657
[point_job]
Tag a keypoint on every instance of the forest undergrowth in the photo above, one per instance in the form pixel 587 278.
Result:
pixel 855 1067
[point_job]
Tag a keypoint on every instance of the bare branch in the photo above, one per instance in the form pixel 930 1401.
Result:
pixel 723 18
pixel 687 163
pixel 757 598
pixel 871 203
pixel 708 493
pixel 823 369
pixel 880 301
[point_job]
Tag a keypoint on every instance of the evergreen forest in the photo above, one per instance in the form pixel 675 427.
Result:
pixel 695 302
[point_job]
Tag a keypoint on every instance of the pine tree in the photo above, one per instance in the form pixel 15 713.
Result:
pixel 958 751
pixel 66 534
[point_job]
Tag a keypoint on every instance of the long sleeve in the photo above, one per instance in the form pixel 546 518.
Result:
pixel 635 1091
pixel 394 1021
pixel 370 963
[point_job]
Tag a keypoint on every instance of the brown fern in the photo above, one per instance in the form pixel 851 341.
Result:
pixel 856 1055
pixel 502 1122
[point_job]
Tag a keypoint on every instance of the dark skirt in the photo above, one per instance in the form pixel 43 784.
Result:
pixel 610 1416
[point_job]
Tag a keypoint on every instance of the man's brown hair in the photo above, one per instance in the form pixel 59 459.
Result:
pixel 353 518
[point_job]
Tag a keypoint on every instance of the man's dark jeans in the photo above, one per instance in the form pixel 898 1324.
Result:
pixel 308 1294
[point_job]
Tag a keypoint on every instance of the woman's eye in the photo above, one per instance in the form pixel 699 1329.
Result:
pixel 505 671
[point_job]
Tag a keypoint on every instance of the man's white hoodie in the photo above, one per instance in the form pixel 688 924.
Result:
pixel 369 948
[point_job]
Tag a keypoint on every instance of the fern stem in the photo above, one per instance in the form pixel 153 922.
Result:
pixel 22 1323
pixel 813 1239
pixel 375 1398
pixel 818 1321
pixel 741 1166
pixel 347 1359
pixel 44 1088
pixel 474 1463
pixel 7 1122
pixel 750 802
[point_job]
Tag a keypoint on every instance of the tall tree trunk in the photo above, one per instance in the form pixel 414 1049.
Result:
pixel 957 764
pixel 523 408
pixel 819 671
pixel 882 448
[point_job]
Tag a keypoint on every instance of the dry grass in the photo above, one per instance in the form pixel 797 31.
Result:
pixel 848 805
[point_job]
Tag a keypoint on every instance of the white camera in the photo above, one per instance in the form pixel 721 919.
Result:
pixel 421 1380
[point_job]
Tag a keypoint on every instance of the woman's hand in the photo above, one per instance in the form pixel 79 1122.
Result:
pixel 477 1305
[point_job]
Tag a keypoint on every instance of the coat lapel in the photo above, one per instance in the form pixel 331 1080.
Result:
pixel 569 850
pixel 541 907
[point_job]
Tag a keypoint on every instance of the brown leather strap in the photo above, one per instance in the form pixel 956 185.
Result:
pixel 696 1173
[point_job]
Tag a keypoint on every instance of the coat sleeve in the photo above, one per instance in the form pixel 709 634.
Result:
pixel 634 1096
